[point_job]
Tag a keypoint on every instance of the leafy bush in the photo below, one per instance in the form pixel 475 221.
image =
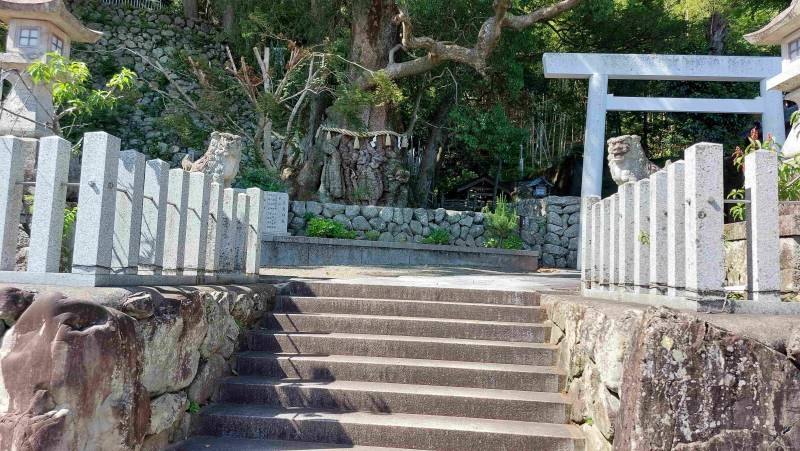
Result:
pixel 260 177
pixel 502 226
pixel 438 236
pixel 373 235
pixel 328 228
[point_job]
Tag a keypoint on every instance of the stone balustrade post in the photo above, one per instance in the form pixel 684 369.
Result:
pixel 154 217
pixel 229 230
pixel 605 243
pixel 613 243
pixel 94 227
pixel 763 239
pixel 215 229
pixel 197 223
pixel 50 196
pixel 596 232
pixel 704 220
pixel 128 213
pixel 12 157
pixel 586 240
pixel 242 216
pixel 627 235
pixel 175 228
pixel 256 199
pixel 659 241
pixel 676 229
pixel 641 230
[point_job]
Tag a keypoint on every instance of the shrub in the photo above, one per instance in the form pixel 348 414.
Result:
pixel 373 235
pixel 438 236
pixel 328 228
pixel 502 226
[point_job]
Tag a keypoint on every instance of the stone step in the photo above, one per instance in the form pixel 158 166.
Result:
pixel 462 295
pixel 395 430
pixel 401 307
pixel 399 325
pixel 210 443
pixel 430 348
pixel 382 397
pixel 401 371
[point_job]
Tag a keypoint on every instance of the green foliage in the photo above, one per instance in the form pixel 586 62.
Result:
pixel 328 228
pixel 70 216
pixel 644 238
pixel 75 101
pixel 438 236
pixel 373 235
pixel 189 133
pixel 502 226
pixel 307 216
pixel 260 177
pixel 386 90
pixel 194 407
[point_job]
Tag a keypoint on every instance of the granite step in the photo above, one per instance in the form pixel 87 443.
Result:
pixel 400 325
pixel 410 308
pixel 210 443
pixel 401 371
pixel 416 293
pixel 379 397
pixel 430 348
pixel 395 430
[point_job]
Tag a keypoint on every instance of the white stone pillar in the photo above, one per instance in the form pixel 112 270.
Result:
pixel 197 223
pixel 128 213
pixel 587 203
pixel 254 228
pixel 49 201
pixel 641 230
pixel 242 215
pixel 229 230
pixel 605 242
pixel 175 229
pixel 594 140
pixel 154 217
pixel 659 240
pixel 705 219
pixel 676 229
pixel 773 121
pixel 215 229
pixel 94 227
pixel 627 235
pixel 596 244
pixel 613 242
pixel 763 240
pixel 12 157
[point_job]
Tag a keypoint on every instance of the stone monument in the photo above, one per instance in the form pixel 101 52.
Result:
pixel 276 215
pixel 35 28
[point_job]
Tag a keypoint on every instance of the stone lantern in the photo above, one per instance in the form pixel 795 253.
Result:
pixel 35 28
pixel 784 30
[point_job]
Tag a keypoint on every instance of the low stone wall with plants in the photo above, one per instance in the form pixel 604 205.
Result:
pixel 549 226
pixel 644 378
pixel 116 369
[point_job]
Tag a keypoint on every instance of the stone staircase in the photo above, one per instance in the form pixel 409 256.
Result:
pixel 379 367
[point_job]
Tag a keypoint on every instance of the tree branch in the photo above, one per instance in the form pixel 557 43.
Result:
pixel 477 56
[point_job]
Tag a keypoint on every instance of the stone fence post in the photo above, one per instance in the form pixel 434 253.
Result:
pixel 588 226
pixel 641 232
pixel 175 229
pixel 12 157
pixel 50 196
pixel 613 242
pixel 154 217
pixel 197 223
pixel 128 213
pixel 763 241
pixel 627 235
pixel 659 224
pixel 676 229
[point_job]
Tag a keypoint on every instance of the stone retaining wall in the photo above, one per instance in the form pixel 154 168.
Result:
pixel 549 226
pixel 653 378
pixel 116 369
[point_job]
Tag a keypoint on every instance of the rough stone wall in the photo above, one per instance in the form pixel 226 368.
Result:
pixel 466 228
pixel 163 37
pixel 115 369
pixel 653 378
pixel 552 226
pixel 549 226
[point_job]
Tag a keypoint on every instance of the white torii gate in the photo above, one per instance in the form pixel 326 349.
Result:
pixel 599 68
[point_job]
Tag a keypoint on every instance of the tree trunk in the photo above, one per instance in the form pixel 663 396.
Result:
pixel 718 30
pixel 372 172
pixel 190 9
pixel 429 158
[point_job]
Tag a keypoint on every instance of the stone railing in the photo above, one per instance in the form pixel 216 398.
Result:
pixel 661 239
pixel 138 222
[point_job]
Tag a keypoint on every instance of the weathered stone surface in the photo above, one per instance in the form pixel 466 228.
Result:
pixel 222 331
pixel 440 214
pixel 13 302
pixel 208 379
pixel 361 223
pixel 554 219
pixel 172 339
pixel 378 224
pixel 387 214
pixel 84 392
pixel 692 385
pixel 421 215
pixel 416 227
pixel 298 208
pixel 343 220
pixel 386 236
pixel 165 409
pixel 572 231
pixel 352 211
pixel 138 305
pixel 221 160
pixel 369 212
pixel 315 208
pixel 467 221
pixel 555 250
